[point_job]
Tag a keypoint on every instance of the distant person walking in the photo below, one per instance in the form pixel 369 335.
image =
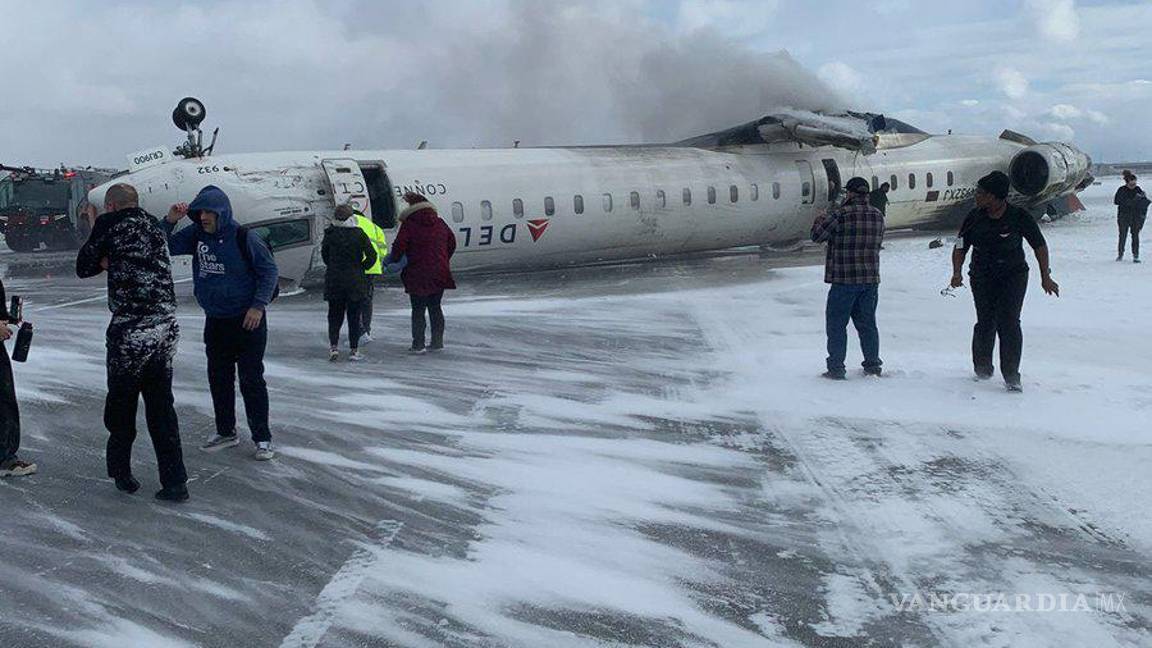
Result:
pixel 428 244
pixel 380 242
pixel 141 338
pixel 999 275
pixel 854 233
pixel 1131 210
pixel 234 278
pixel 348 254
pixel 878 198
pixel 10 464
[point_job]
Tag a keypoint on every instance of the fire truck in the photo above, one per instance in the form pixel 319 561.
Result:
pixel 42 209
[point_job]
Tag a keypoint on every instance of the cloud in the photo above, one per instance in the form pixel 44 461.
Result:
pixel 1011 82
pixel 1067 112
pixel 1055 20
pixel 844 78
pixel 970 102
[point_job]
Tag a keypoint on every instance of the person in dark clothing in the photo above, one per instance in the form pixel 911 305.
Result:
pixel 234 278
pixel 428 245
pixel 141 338
pixel 1131 210
pixel 10 464
pixel 854 234
pixel 878 198
pixel 999 274
pixel 348 253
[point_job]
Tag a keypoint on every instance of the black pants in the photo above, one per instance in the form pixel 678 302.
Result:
pixel 230 348
pixel 999 300
pixel 9 410
pixel 366 309
pixel 431 304
pixel 1135 224
pixel 139 365
pixel 337 311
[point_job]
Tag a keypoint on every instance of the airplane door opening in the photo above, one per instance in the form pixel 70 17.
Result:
pixel 348 185
pixel 380 195
pixel 807 182
pixel 834 184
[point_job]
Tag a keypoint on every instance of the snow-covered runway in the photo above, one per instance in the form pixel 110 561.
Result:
pixel 636 456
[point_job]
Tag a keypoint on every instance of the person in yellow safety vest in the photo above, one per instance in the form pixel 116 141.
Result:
pixel 376 235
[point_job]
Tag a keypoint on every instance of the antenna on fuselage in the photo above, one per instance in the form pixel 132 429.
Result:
pixel 422 145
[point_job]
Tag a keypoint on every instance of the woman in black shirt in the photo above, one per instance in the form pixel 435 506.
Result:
pixel 999 275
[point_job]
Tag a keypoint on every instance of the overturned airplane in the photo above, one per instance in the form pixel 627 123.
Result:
pixel 758 184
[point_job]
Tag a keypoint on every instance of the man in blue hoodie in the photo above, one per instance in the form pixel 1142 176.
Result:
pixel 235 278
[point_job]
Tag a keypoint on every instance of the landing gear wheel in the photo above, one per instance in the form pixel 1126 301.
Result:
pixel 189 113
pixel 18 242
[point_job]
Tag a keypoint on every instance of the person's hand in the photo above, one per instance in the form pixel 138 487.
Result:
pixel 1050 286
pixel 176 212
pixel 5 332
pixel 253 318
pixel 957 281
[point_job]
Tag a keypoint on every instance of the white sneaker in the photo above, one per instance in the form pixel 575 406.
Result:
pixel 333 355
pixel 355 356
pixel 218 442
pixel 366 338
pixel 264 451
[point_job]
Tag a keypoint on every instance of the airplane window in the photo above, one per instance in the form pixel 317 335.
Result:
pixel 775 191
pixel 285 234
pixel 687 196
pixel 911 180
pixel 892 181
pixel 457 213
pixel 634 198
pixel 806 190
pixel 661 201
pixel 928 180
pixel 549 206
pixel 950 178
pixel 578 204
pixel 518 208
pixel 755 191
pixel 733 193
pixel 607 203
pixel 711 195
pixel 485 210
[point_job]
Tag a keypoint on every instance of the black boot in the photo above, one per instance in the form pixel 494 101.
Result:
pixel 173 494
pixel 128 484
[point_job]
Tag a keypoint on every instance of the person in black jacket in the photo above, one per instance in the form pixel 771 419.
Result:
pixel 999 275
pixel 141 339
pixel 1131 210
pixel 878 198
pixel 10 464
pixel 347 254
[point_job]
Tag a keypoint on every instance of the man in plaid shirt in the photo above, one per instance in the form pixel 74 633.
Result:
pixel 853 233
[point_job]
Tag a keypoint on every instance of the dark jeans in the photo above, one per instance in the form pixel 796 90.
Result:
pixel 231 349
pixel 431 305
pixel 1135 224
pixel 999 300
pixel 154 382
pixel 858 303
pixel 366 308
pixel 9 410
pixel 337 311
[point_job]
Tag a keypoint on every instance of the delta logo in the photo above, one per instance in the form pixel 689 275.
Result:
pixel 537 227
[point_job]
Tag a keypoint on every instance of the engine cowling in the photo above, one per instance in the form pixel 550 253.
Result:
pixel 1045 170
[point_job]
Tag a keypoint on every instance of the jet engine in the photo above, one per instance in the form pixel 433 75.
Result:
pixel 1046 170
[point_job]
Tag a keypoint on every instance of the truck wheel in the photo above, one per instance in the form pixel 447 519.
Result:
pixel 18 242
pixel 188 113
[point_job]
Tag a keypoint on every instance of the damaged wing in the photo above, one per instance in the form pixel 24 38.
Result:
pixel 852 130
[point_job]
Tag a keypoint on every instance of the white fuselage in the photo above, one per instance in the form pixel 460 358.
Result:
pixel 521 208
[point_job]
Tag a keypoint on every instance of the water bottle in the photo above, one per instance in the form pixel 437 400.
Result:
pixel 23 343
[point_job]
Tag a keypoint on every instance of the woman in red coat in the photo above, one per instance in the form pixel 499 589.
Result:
pixel 428 243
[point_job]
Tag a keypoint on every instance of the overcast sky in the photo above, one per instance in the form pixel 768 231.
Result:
pixel 88 82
